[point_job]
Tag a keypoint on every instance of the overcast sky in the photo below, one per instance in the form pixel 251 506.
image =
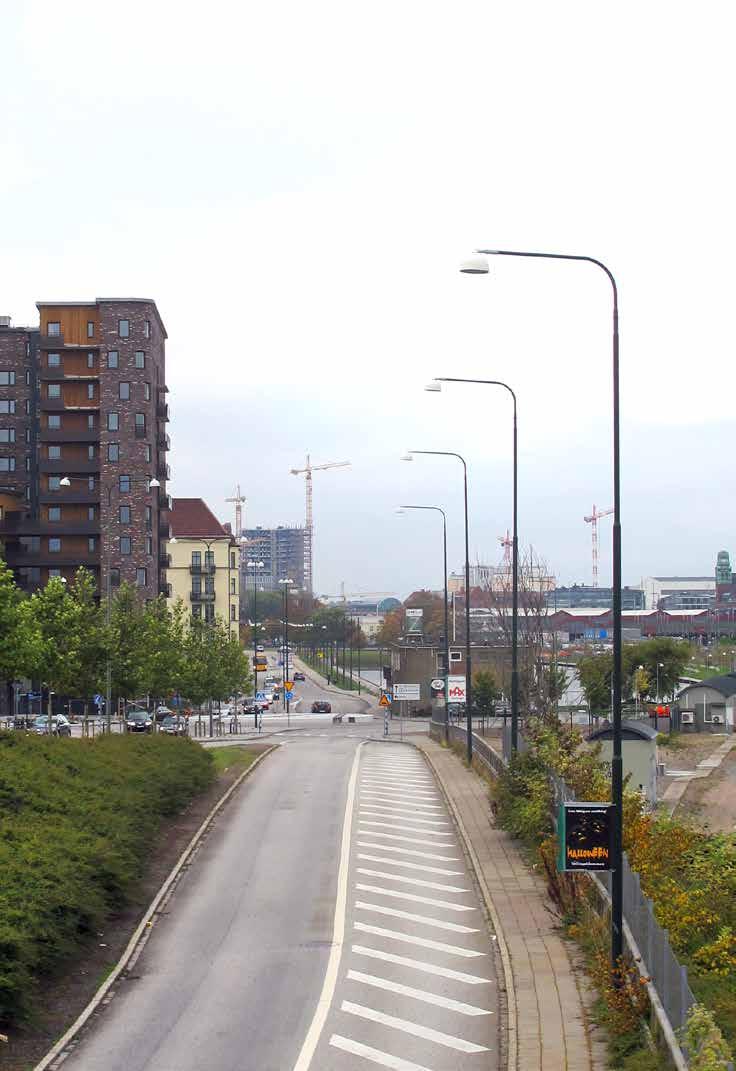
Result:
pixel 295 185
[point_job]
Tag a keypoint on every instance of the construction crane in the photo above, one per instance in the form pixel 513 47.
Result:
pixel 239 501
pixel 309 525
pixel 593 520
pixel 345 595
pixel 507 543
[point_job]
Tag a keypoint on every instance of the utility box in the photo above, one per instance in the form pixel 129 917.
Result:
pixel 639 754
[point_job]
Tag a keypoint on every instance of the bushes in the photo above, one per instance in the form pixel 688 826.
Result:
pixel 77 821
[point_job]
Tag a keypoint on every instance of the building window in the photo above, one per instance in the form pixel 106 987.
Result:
pixel 28 378
pixel 148 453
pixel 7 464
pixel 112 359
pixel 90 329
pixel 7 435
pixel 53 328
pixel 141 577
pixel 114 578
pixel 196 584
pixel 232 559
pixel 28 406
pixel 54 483
pixel 209 585
pixel 140 359
pixel 28 492
pixel 113 451
pixel 149 518
pixel 232 585
pixel 91 421
pixel 197 559
pixel 54 420
pixel 209 558
pixel 28 464
pixel 90 513
pixel 91 544
pixel 147 392
pixel 197 611
pixel 90 390
pixel 124 483
pixel 124 328
pixel 140 421
pixel 54 453
pixel 54 513
pixel 149 545
pixel 232 613
pixel 113 422
pixel 90 360
pixel 209 613
pixel 90 453
pixel 54 545
pixel 54 573
pixel 7 379
pixel 54 360
pixel 125 544
pixel 7 405
pixel 90 483
pixel 146 328
pixel 124 515
pixel 124 391
pixel 54 390
pixel 28 435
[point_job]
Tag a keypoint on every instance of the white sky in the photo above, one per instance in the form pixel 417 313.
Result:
pixel 295 185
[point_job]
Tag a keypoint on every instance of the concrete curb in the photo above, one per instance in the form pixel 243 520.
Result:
pixel 508 974
pixel 143 930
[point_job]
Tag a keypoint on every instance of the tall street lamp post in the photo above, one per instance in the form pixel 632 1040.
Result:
pixel 285 585
pixel 515 555
pixel 438 509
pixel 478 265
pixel 468 668
pixel 255 566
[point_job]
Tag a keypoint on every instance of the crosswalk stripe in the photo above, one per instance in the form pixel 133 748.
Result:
pixel 415 899
pixel 438 924
pixel 418 882
pixel 406 795
pixel 385 1059
pixel 418 965
pixel 417 994
pixel 398 797
pixel 408 851
pixel 413 782
pixel 405 829
pixel 421 942
pixel 416 1029
pixel 411 866
pixel 390 812
pixel 395 784
pixel 397 836
pixel 395 771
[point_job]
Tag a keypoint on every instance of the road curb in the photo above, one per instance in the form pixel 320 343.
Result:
pixel 508 974
pixel 143 930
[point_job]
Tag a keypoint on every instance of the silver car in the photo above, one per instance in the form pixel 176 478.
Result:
pixel 60 726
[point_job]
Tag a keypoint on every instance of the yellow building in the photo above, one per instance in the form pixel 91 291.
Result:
pixel 204 569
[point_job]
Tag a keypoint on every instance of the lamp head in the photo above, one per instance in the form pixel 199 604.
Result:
pixel 435 386
pixel 475 265
pixel 154 482
pixel 173 540
pixel 400 511
pixel 65 482
pixel 406 457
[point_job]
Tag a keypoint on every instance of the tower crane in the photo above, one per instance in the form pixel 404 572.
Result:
pixel 239 501
pixel 309 525
pixel 507 543
pixel 593 521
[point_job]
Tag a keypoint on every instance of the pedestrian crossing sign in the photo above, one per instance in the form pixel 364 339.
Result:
pixel 384 701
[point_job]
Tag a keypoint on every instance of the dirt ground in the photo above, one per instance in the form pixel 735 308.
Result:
pixel 711 802
pixel 64 997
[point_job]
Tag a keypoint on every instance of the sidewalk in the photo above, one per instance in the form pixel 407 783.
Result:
pixel 549 997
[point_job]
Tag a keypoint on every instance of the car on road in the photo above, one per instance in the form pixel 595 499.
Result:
pixel 252 706
pixel 138 721
pixel 60 726
pixel 163 713
pixel 321 707
pixel 299 676
pixel 260 649
pixel 174 726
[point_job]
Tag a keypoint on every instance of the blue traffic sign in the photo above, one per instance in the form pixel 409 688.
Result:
pixel 288 695
pixel 260 695
pixel 97 699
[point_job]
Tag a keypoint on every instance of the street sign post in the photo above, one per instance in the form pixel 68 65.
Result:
pixel 385 700
pixel 406 691
pixel 288 695
pixel 289 686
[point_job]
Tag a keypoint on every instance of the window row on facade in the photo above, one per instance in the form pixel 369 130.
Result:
pixel 53 328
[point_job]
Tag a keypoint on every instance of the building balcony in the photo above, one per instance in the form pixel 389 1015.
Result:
pixel 42 559
pixel 164 501
pixel 164 589
pixel 57 435
pixel 52 405
pixel 51 342
pixel 202 570
pixel 57 375
pixel 163 471
pixel 69 496
pixel 202 596
pixel 163 442
pixel 164 529
pixel 140 431
pixel 71 468
pixel 164 560
pixel 162 411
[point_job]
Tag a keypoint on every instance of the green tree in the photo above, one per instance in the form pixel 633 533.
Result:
pixel 92 637
pixel 127 639
pixel 595 672
pixel 20 639
pixel 485 692
pixel 164 647
pixel 61 623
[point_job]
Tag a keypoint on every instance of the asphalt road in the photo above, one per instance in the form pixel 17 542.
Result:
pixel 233 972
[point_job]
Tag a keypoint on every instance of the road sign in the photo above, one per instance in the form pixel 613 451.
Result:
pixel 288 685
pixel 97 699
pixel 288 695
pixel 260 695
pixel 437 685
pixel 384 701
pixel 406 691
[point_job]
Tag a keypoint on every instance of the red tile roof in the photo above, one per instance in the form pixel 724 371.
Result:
pixel 191 518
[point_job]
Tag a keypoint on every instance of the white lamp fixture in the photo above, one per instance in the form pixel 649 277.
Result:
pixel 435 386
pixel 475 265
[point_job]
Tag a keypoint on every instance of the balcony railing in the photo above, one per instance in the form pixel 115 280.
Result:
pixel 51 342
pixel 164 589
pixel 164 529
pixel 163 472
pixel 140 431
pixel 202 596
pixel 59 435
pixel 162 411
pixel 163 441
pixel 203 570
pixel 68 495
pixel 164 560
pixel 164 501
pixel 61 468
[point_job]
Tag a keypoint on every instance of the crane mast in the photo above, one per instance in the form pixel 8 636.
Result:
pixel 309 523
pixel 592 520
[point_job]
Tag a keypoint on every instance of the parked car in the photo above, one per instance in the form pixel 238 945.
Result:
pixel 60 726
pixel 164 712
pixel 174 726
pixel 138 721
pixel 321 707
pixel 299 676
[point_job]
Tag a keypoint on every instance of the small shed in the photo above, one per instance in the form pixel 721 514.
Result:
pixel 639 753
pixel 707 706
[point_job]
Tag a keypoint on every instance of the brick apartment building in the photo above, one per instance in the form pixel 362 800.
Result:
pixel 82 431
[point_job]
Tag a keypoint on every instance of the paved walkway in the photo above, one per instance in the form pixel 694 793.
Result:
pixel 549 997
pixel 676 790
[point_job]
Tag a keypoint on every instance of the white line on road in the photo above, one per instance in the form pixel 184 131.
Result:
pixel 419 965
pixel 338 930
pixel 399 797
pixel 405 829
pixel 411 866
pixel 417 994
pixel 410 782
pixel 385 1059
pixel 409 851
pixel 438 924
pixel 392 812
pixel 416 1029
pixel 421 942
pixel 407 840
pixel 447 904
pixel 418 882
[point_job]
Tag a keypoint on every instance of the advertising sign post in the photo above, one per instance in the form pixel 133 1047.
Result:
pixel 584 833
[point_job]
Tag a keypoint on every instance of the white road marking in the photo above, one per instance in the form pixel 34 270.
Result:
pixel 385 1059
pixel 395 771
pixel 422 942
pixel 438 924
pixel 407 795
pixel 417 994
pixel 407 840
pixel 446 904
pixel 306 1053
pixel 405 829
pixel 411 866
pixel 399 797
pixel 418 882
pixel 391 812
pixel 419 965
pixel 409 851
pixel 410 782
pixel 416 1029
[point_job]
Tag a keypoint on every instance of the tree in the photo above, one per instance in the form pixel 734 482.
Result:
pixel 390 630
pixel 126 641
pixel 65 619
pixel 164 647
pixel 91 634
pixel 20 639
pixel 595 672
pixel 485 692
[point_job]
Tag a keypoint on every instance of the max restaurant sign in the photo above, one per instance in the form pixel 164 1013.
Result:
pixel 584 833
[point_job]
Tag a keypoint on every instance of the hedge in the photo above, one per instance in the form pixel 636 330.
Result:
pixel 77 822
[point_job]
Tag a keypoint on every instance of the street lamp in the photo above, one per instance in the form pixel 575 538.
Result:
pixel 436 385
pixel 285 585
pixel 468 670
pixel 255 566
pixel 660 665
pixel 438 509
pixel 478 265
